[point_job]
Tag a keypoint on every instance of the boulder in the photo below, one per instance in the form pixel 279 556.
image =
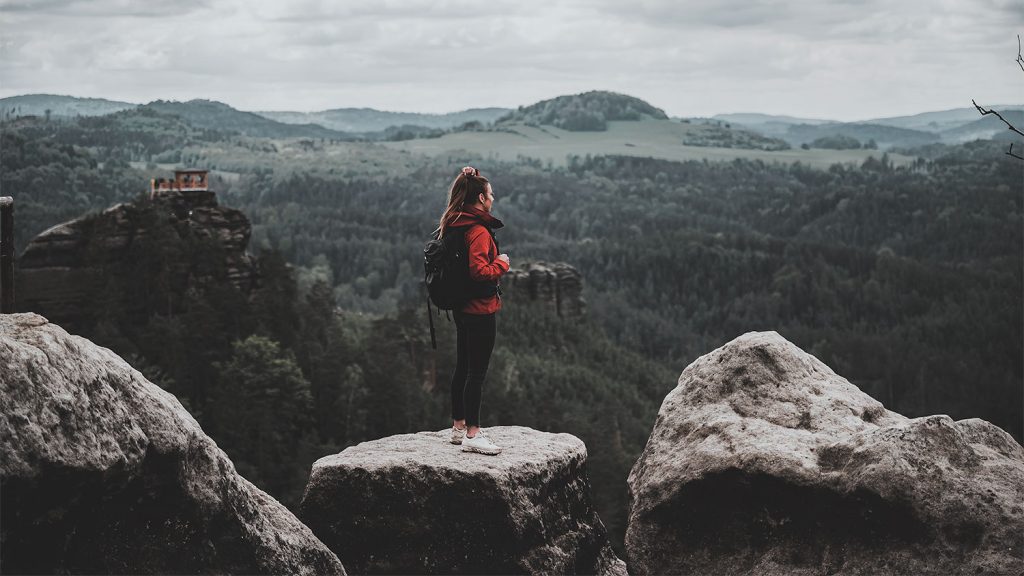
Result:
pixel 103 472
pixel 557 285
pixel 417 504
pixel 764 461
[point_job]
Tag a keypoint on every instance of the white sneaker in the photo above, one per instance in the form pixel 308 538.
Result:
pixel 458 434
pixel 481 444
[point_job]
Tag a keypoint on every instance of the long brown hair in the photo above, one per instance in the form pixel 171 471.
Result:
pixel 465 189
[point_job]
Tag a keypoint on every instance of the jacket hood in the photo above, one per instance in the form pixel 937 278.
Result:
pixel 471 216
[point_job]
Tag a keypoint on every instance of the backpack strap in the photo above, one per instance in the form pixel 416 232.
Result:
pixel 430 316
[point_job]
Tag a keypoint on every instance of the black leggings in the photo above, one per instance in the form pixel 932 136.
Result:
pixel 475 343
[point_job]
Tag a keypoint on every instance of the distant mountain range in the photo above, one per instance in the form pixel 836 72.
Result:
pixel 223 117
pixel 341 123
pixel 39 104
pixel 948 126
pixel 370 120
pixel 587 111
pixel 755 118
pixel 939 121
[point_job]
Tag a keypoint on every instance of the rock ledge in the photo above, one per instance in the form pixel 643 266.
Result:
pixel 416 504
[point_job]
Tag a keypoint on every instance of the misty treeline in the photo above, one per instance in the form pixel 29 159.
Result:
pixel 907 281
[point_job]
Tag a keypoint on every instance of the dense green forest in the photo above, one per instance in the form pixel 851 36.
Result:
pixel 907 281
pixel 888 275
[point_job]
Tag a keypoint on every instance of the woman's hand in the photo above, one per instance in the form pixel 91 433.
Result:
pixel 504 257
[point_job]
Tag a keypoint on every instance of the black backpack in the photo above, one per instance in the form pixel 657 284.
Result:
pixel 446 273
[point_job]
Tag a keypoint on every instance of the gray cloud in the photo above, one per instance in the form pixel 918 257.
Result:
pixel 841 59
pixel 1009 12
pixel 104 8
pixel 727 13
pixel 382 11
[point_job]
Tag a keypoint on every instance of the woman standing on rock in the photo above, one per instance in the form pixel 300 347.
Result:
pixel 469 213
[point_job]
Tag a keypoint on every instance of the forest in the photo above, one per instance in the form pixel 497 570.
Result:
pixel 905 280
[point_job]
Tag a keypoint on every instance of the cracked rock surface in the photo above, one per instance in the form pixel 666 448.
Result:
pixel 765 461
pixel 103 472
pixel 557 285
pixel 63 269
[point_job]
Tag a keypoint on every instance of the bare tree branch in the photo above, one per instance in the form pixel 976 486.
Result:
pixel 987 111
pixel 1020 59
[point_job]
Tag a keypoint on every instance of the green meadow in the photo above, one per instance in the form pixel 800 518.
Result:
pixel 659 139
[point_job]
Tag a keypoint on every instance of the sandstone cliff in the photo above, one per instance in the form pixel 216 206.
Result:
pixel 557 285
pixel 103 472
pixel 416 504
pixel 62 271
pixel 764 461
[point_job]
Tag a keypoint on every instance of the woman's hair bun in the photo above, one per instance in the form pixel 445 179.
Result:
pixel 470 171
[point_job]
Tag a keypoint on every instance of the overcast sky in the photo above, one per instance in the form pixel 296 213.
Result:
pixel 837 59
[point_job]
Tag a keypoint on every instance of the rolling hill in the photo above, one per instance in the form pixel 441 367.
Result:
pixel 604 124
pixel 586 112
pixel 71 106
pixel 884 136
pixel 946 126
pixel 986 128
pixel 939 121
pixel 211 114
pixel 590 123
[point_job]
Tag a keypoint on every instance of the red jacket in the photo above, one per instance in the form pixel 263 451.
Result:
pixel 483 257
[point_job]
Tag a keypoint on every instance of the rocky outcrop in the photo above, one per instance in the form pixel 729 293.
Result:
pixel 103 472
pixel 416 504
pixel 557 285
pixel 764 461
pixel 62 271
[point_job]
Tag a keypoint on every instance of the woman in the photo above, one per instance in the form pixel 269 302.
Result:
pixel 470 199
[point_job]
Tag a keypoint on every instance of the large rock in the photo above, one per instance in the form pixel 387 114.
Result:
pixel 416 504
pixel 764 461
pixel 558 286
pixel 104 472
pixel 62 270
